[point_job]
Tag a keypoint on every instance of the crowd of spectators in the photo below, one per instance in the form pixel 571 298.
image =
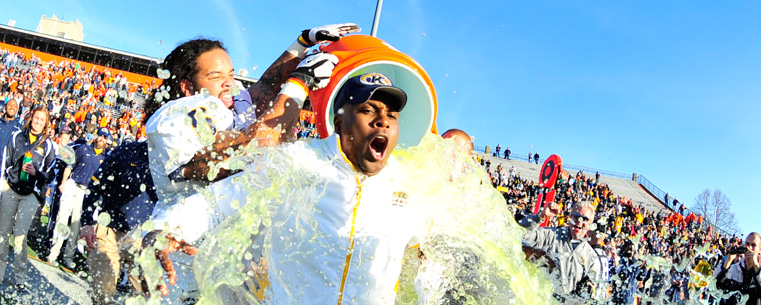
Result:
pixel 81 98
pixel 84 103
pixel 654 257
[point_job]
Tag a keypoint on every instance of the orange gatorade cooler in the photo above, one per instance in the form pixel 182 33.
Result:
pixel 360 54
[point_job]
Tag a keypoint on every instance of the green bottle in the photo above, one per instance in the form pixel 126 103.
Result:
pixel 24 176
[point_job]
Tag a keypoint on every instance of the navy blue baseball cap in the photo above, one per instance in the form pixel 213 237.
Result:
pixel 104 132
pixel 359 89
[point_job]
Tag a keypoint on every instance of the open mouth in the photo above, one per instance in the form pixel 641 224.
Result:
pixel 378 147
pixel 226 97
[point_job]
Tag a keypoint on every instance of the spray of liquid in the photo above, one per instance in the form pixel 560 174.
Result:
pixel 471 253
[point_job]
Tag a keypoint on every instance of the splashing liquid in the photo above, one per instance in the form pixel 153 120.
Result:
pixel 472 250
pixel 471 253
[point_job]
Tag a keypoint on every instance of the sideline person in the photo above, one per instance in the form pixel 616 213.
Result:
pixel 22 190
pixel 575 262
pixel 123 192
pixel 741 271
pixel 76 177
pixel 8 124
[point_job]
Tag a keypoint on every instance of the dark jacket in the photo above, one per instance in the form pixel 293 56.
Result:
pixel 740 278
pixel 7 128
pixel 87 162
pixel 122 187
pixel 43 159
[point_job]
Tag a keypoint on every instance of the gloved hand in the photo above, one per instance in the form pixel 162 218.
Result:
pixel 315 70
pixel 330 32
pixel 310 37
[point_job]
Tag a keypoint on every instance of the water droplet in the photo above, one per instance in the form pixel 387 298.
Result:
pixel 63 231
pixel 205 92
pixel 163 74
pixel 104 219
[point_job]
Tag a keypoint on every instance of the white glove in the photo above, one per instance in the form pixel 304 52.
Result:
pixel 310 37
pixel 315 70
pixel 330 32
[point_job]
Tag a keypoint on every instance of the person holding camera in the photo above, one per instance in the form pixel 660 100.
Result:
pixel 740 271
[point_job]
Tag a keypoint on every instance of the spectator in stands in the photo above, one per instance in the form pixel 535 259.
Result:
pixel 536 158
pixel 597 241
pixel 507 153
pixel 630 275
pixel 496 153
pixel 575 260
pixel 740 271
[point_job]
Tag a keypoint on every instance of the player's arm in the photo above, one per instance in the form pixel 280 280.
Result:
pixel 268 87
pixel 277 123
pixel 199 166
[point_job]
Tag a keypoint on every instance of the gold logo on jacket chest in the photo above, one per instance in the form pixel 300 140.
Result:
pixel 399 199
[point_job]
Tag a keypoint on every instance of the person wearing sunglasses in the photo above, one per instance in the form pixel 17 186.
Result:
pixel 573 261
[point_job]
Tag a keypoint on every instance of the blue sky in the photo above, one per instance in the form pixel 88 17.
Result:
pixel 667 89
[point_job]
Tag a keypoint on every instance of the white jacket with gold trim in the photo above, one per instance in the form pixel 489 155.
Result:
pixel 345 247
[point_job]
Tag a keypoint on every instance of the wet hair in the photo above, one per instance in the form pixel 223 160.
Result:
pixel 182 64
pixel 28 125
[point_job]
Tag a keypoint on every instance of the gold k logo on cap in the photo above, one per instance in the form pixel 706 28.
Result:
pixel 375 79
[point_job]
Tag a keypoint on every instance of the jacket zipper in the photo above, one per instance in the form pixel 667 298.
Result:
pixel 350 250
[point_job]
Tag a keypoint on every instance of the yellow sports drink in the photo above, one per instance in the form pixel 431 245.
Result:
pixel 361 54
pixel 24 176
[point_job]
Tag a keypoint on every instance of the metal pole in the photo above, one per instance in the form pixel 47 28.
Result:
pixel 374 30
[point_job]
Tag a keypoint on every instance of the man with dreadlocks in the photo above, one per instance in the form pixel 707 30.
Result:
pixel 204 91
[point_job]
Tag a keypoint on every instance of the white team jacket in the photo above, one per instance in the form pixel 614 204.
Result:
pixel 176 132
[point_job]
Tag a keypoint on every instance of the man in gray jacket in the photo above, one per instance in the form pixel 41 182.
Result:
pixel 571 259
